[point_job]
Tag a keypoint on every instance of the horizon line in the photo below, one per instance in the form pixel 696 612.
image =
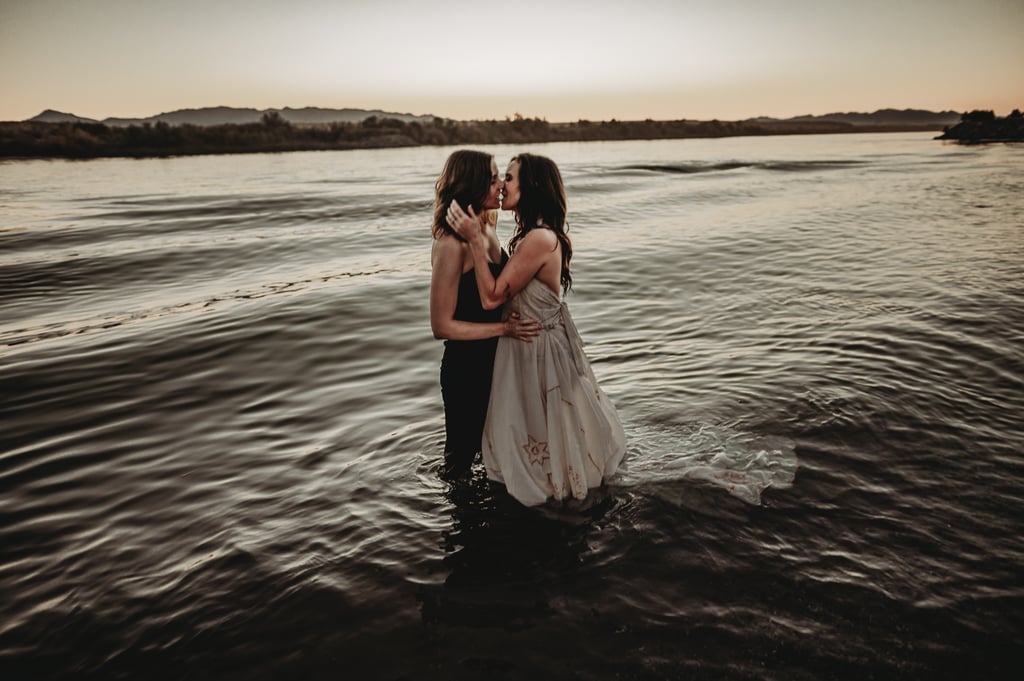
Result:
pixel 512 116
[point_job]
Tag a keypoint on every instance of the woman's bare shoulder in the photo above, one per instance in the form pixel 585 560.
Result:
pixel 541 236
pixel 447 248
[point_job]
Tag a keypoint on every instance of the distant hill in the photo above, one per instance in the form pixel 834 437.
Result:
pixel 882 117
pixel 315 115
pixel 222 115
pixel 51 116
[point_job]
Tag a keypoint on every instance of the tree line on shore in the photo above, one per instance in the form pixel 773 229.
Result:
pixel 34 139
pixel 978 127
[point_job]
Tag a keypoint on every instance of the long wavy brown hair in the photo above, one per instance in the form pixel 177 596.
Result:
pixel 466 178
pixel 542 201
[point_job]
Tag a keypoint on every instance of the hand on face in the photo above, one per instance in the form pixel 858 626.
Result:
pixel 466 225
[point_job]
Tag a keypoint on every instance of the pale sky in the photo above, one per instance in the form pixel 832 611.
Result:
pixel 561 60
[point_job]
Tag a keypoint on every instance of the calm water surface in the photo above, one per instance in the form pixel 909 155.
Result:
pixel 221 421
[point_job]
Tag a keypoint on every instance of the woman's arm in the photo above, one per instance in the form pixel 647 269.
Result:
pixel 446 269
pixel 534 252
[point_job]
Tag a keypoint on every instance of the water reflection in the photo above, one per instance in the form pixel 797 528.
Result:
pixel 505 561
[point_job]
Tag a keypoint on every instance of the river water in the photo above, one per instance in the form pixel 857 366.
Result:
pixel 222 427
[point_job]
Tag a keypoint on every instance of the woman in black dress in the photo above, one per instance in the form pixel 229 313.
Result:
pixel 471 333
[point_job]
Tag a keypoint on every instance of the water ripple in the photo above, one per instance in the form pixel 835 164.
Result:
pixel 222 427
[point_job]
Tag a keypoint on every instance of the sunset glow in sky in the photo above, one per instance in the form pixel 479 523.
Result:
pixel 558 59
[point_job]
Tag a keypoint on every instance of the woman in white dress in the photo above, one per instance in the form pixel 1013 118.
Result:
pixel 550 432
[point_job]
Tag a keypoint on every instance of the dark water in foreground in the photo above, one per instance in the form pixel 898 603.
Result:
pixel 221 423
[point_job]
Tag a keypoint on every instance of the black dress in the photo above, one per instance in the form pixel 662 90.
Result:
pixel 466 368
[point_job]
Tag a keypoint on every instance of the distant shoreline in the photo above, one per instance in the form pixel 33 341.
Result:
pixel 85 140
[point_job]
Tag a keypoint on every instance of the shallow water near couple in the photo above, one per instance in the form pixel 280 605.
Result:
pixel 223 431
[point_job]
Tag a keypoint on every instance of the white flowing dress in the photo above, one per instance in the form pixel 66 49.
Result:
pixel 551 432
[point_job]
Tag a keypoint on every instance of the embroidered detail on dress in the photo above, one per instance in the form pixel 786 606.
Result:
pixel 537 451
pixel 579 488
